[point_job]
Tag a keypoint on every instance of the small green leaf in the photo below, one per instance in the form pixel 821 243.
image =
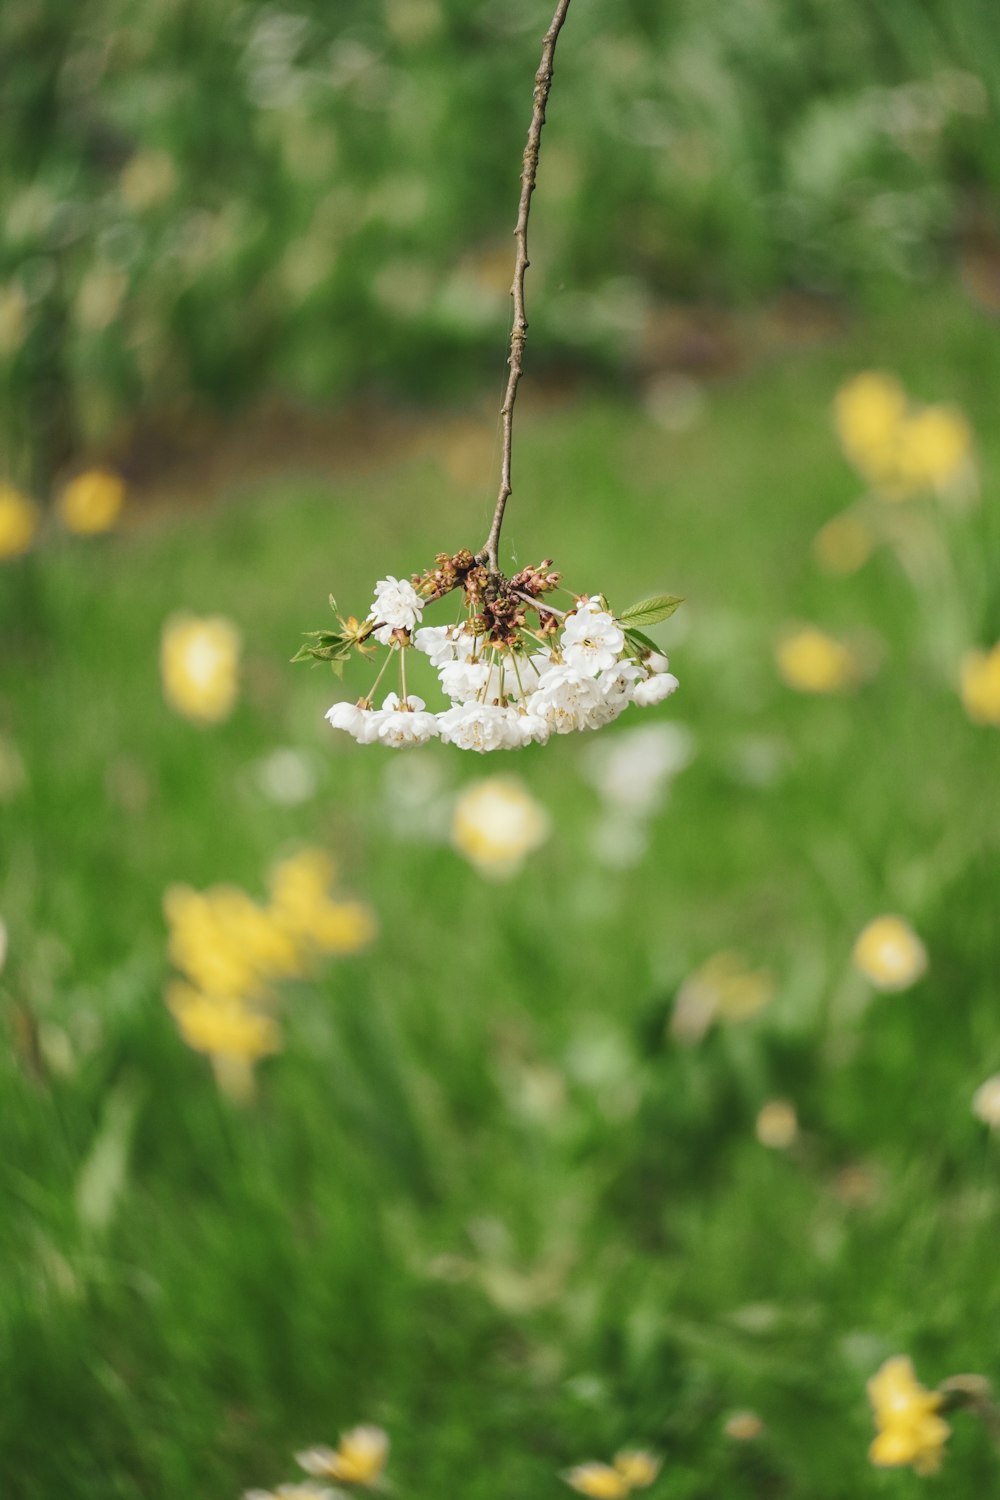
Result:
pixel 640 643
pixel 333 604
pixel 651 611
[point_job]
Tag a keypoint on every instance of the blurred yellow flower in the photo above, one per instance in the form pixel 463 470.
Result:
pixel 633 1469
pixel 910 1429
pixel 889 954
pixel 777 1125
pixel 935 450
pixel 302 905
pixel 980 686
pixel 810 661
pixel 92 502
pixel 743 1426
pixel 899 448
pixel 844 544
pixel 637 1467
pixel 599 1481
pixel 724 988
pixel 227 944
pixel 19 521
pixel 358 1458
pixel 986 1102
pixel 199 661
pixel 221 1025
pixel 868 410
pixel 497 824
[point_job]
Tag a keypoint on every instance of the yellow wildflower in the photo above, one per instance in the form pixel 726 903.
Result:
pixel 599 1481
pixel 868 411
pixel 226 943
pixel 980 686
pixel 497 824
pixel 810 661
pixel 637 1467
pixel 199 659
pixel 92 502
pixel 910 1429
pixel 844 544
pixel 777 1125
pixel 222 1025
pixel 302 906
pixel 899 448
pixel 935 450
pixel 19 522
pixel 633 1469
pixel 724 988
pixel 889 954
pixel 358 1458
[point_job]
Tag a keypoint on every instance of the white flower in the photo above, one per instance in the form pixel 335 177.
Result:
pixel 568 700
pixel 444 643
pixel 618 681
pixel 654 689
pixel 591 639
pixel 497 824
pixel 360 723
pixel 402 724
pixel 463 681
pixel 533 729
pixel 657 662
pixel 481 727
pixel 397 606
pixel 986 1102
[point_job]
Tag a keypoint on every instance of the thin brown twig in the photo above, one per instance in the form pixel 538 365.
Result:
pixel 519 328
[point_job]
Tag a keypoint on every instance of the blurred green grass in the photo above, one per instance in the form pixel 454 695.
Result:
pixel 483 1198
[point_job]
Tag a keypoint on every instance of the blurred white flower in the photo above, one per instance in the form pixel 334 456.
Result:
pixel 286 777
pixel 415 802
pixel 986 1102
pixel 496 824
pixel 633 770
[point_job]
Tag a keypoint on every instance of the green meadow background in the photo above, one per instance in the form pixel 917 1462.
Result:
pixel 484 1198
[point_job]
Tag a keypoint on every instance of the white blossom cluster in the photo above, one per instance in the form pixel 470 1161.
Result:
pixel 503 698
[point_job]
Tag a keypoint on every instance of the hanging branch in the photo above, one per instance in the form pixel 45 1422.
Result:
pixel 518 333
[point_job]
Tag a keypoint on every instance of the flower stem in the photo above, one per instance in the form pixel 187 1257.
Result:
pixel 519 329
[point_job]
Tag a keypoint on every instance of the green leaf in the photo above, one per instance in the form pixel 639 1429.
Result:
pixel 333 604
pixel 651 611
pixel 640 643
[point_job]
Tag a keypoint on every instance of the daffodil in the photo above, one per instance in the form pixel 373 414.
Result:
pixel 20 518
pixel 810 661
pixel 359 1457
pixel 889 954
pixel 911 1431
pixel 92 502
pixel 980 686
pixel 199 664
